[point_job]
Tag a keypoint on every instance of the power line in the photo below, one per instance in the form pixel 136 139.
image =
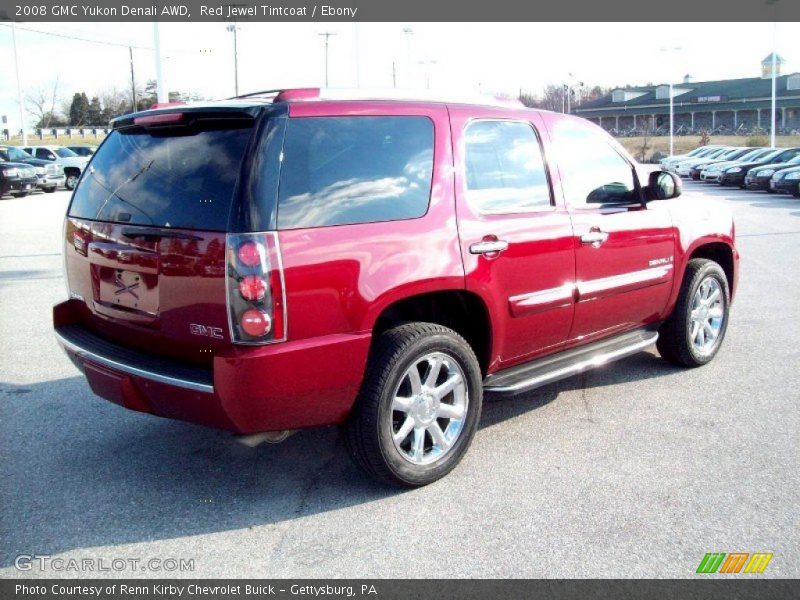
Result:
pixel 78 38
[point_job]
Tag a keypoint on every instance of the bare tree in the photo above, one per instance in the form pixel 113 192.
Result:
pixel 40 102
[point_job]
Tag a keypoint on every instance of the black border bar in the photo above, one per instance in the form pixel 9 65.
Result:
pixel 661 12
pixel 734 588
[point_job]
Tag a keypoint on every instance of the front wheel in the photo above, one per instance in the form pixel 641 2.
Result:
pixel 419 405
pixel 693 334
pixel 50 190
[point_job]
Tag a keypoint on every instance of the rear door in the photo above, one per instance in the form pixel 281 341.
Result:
pixel 624 250
pixel 516 242
pixel 146 233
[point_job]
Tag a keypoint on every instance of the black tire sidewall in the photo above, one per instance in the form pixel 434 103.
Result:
pixel 455 348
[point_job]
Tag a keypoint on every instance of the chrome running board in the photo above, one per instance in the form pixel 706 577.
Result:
pixel 569 362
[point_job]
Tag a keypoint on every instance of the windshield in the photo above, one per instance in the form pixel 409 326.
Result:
pixel 181 178
pixel 733 154
pixel 753 154
pixel 11 154
pixel 65 152
pixel 768 157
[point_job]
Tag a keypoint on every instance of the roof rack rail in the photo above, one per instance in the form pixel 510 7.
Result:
pixel 253 94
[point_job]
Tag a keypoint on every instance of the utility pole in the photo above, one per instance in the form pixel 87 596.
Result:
pixel 161 94
pixel 407 33
pixel 774 95
pixel 133 81
pixel 394 74
pixel 234 28
pixel 327 35
pixel 19 86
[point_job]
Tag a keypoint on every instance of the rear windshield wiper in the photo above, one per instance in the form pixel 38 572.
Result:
pixel 153 235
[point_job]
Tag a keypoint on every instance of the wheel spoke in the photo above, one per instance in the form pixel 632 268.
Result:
pixel 700 340
pixel 434 366
pixel 716 312
pixel 449 411
pixel 404 430
pixel 713 297
pixel 438 436
pixel 418 446
pixel 447 387
pixel 695 329
pixel 414 380
pixel 709 332
pixel 401 403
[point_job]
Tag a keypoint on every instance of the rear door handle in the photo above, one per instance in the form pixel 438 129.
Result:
pixel 488 247
pixel 594 237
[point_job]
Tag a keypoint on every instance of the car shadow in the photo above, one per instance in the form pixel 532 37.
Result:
pixel 80 472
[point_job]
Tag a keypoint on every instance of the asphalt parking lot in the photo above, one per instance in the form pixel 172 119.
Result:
pixel 634 470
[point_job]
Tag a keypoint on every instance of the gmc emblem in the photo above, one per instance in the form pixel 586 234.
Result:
pixel 206 331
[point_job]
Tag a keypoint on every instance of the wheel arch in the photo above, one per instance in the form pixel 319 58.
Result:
pixel 461 310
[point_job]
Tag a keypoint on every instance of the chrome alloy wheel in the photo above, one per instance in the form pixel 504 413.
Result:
pixel 429 408
pixel 707 316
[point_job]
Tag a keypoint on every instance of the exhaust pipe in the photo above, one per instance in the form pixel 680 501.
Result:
pixel 271 437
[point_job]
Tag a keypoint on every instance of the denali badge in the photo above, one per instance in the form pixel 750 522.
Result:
pixel 661 261
pixel 204 330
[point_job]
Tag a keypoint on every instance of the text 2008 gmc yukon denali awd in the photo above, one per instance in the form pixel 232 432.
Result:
pixel 293 259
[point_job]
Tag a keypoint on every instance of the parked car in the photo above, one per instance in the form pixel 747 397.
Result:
pixel 683 167
pixel 695 168
pixel 17 179
pixel 49 175
pixel 713 171
pixel 83 150
pixel 376 263
pixel 759 178
pixel 699 152
pixel 735 175
pixel 786 181
pixel 72 163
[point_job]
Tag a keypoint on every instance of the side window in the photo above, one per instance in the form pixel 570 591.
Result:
pixel 44 153
pixel 592 171
pixel 504 168
pixel 346 170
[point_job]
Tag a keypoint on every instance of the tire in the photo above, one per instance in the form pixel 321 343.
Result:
pixel 796 194
pixel 676 342
pixel 71 181
pixel 387 403
pixel 49 190
pixel 20 194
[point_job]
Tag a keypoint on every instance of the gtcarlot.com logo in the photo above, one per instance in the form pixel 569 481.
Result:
pixel 734 562
pixel 45 562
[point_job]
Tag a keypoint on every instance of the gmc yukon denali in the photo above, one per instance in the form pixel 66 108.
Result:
pixel 305 258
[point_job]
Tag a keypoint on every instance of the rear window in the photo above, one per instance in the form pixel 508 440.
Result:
pixel 173 178
pixel 345 170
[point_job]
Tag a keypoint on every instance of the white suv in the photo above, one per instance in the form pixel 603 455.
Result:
pixel 72 163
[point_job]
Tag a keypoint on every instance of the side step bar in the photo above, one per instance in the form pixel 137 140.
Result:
pixel 569 362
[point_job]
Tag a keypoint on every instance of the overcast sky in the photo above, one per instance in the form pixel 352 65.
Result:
pixel 470 56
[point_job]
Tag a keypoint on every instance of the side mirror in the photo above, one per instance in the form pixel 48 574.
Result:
pixel 663 185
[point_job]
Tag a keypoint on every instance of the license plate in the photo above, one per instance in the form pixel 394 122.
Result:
pixel 128 289
pixel 27 186
pixel 772 184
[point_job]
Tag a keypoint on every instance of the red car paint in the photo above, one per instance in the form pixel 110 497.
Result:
pixel 548 291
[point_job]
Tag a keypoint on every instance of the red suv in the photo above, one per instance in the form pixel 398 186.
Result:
pixel 294 259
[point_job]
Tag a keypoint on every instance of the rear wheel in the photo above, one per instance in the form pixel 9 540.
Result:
pixel 419 405
pixel 694 332
pixel 20 194
pixel 72 180
pixel 49 190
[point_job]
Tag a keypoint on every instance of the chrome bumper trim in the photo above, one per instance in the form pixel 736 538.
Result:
pixel 118 366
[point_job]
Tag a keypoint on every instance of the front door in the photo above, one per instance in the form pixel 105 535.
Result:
pixel 515 241
pixel 624 249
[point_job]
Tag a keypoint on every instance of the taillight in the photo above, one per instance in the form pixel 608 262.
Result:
pixel 254 274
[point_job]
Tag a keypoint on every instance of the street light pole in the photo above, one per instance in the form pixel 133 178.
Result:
pixel 671 121
pixel 161 92
pixel 234 28
pixel 19 86
pixel 133 81
pixel 327 35
pixel 774 98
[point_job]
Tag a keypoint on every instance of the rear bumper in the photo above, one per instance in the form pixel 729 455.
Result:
pixel 18 185
pixel 288 385
pixel 47 181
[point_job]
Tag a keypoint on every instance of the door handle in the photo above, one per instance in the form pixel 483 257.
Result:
pixel 488 247
pixel 595 237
